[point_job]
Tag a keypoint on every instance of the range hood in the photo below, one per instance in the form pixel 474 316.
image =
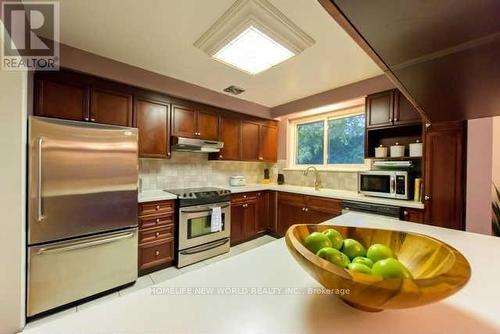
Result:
pixel 185 144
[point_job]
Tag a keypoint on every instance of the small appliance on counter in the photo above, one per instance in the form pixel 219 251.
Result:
pixel 397 151
pixel 416 149
pixel 237 181
pixel 266 179
pixel 381 151
pixel 204 223
pixel 281 179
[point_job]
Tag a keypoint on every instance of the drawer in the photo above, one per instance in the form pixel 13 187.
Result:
pixel 243 197
pixel 290 198
pixel 324 204
pixel 156 253
pixel 157 233
pixel 412 215
pixel 151 208
pixel 156 221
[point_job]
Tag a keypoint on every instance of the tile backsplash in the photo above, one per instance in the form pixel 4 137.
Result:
pixel 188 170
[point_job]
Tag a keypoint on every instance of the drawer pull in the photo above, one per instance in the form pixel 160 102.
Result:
pixel 157 234
pixel 405 213
pixel 157 220
pixel 157 207
pixel 157 253
pixel 244 196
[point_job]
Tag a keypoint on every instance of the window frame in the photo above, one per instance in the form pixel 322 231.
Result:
pixel 293 141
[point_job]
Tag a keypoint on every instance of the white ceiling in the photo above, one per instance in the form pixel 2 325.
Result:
pixel 158 35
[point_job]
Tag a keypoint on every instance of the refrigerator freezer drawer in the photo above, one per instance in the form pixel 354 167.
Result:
pixel 63 272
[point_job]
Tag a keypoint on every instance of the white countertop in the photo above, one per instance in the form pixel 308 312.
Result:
pixel 474 309
pixel 157 195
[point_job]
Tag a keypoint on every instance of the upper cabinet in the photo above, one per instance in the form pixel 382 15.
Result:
pixel 230 134
pixel 259 141
pixel 58 99
pixel 108 107
pixel 152 121
pixel 390 108
pixel 188 121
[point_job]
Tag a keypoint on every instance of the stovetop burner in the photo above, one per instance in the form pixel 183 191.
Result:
pixel 196 196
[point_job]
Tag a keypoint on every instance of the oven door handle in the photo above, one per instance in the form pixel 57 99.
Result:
pixel 202 210
pixel 202 248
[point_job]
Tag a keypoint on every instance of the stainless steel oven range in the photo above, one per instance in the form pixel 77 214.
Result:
pixel 204 216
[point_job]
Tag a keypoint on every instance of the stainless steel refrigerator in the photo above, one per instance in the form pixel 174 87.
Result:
pixel 82 211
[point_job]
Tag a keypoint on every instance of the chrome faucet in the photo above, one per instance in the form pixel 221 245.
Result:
pixel 317 180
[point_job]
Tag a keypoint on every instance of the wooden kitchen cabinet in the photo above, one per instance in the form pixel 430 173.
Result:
pixel 156 235
pixel 230 134
pixel 189 121
pixel 250 215
pixel 390 108
pixel 59 99
pixel 412 215
pixel 250 150
pixel 108 107
pixel 303 209
pixel 268 143
pixel 444 179
pixel 151 118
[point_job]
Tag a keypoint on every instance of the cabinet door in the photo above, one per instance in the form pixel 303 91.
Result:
pixel 319 209
pixel 207 125
pixel 231 136
pixel 404 111
pixel 250 220
pixel 250 141
pixel 152 121
pixel 379 109
pixel 289 213
pixel 237 222
pixel 268 143
pixel 61 100
pixel 444 175
pixel 183 121
pixel 110 108
pixel 263 211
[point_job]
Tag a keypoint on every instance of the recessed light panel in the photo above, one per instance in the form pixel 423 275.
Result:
pixel 253 51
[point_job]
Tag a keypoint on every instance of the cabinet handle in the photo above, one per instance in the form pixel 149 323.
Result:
pixel 245 205
pixel 157 234
pixel 427 197
pixel 396 119
pixel 405 213
pixel 157 253
pixel 157 207
pixel 168 153
pixel 244 196
pixel 220 156
pixel 390 119
pixel 261 158
pixel 86 119
pixel 306 209
pixel 92 119
pixel 427 125
pixel 157 220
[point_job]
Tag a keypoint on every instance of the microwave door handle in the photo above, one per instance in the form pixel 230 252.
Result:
pixel 393 185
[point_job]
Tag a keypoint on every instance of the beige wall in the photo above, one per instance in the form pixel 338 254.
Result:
pixel 479 175
pixel 13 98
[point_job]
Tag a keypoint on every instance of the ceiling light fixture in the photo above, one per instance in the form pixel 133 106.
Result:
pixel 253 36
pixel 253 51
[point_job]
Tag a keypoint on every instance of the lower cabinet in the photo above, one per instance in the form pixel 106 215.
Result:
pixel 249 215
pixel 303 209
pixel 156 235
pixel 412 215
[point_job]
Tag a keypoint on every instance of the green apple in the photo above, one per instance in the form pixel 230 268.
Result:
pixel 334 256
pixel 377 252
pixel 352 248
pixel 390 268
pixel 335 237
pixel 359 267
pixel 315 241
pixel 363 260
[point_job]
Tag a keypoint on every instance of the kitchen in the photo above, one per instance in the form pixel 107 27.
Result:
pixel 154 174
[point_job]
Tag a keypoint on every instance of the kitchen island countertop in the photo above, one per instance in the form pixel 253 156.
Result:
pixel 265 291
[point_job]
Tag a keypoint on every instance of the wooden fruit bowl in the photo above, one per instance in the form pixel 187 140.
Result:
pixel 438 269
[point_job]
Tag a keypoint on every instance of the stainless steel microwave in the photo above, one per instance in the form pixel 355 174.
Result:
pixel 390 184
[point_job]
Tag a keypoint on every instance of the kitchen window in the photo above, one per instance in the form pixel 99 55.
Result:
pixel 330 141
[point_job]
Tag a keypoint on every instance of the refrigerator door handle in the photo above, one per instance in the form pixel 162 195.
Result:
pixel 39 181
pixel 84 244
